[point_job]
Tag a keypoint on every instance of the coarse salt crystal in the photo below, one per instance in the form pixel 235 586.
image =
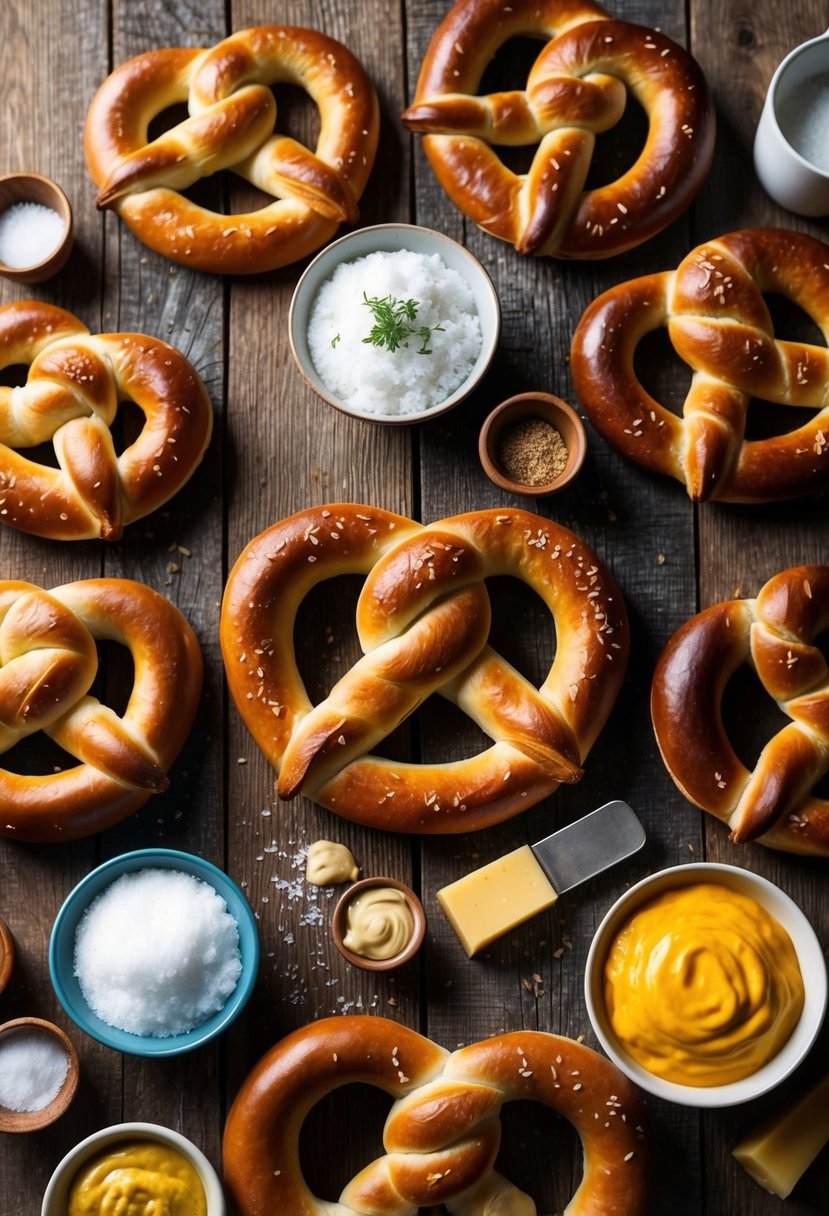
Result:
pixel 374 378
pixel 33 1067
pixel 29 233
pixel 157 953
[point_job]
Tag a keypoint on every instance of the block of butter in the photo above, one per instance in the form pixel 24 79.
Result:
pixel 489 902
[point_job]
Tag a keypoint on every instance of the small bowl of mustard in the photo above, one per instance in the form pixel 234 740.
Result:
pixel 131 1163
pixel 378 924
pixel 706 985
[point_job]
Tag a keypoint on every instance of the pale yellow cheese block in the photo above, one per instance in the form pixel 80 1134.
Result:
pixel 783 1148
pixel 491 901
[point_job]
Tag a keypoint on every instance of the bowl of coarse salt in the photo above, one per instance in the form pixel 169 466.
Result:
pixel 38 1074
pixel 154 953
pixel 394 323
pixel 35 227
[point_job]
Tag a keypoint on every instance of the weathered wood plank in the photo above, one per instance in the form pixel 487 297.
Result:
pixel 288 449
pixel 741 547
pixel 46 81
pixel 643 530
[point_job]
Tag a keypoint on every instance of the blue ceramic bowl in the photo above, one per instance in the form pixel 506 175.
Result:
pixel 62 952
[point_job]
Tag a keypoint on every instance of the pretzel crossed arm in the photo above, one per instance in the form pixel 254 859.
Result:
pixel 719 323
pixel 48 661
pixel 231 125
pixel 423 620
pixel 774 802
pixel 443 1132
pixel 71 396
pixel 577 89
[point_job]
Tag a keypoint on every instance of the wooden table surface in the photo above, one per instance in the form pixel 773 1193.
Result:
pixel 277 448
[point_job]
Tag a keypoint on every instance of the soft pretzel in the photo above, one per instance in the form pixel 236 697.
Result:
pixel 71 396
pixel 423 619
pixel 718 323
pixel 774 634
pixel 443 1131
pixel 48 661
pixel 577 89
pixel 231 125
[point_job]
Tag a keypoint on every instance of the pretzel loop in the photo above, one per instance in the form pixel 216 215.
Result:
pixel 71 395
pixel 231 125
pixel 775 634
pixel 423 619
pixel 576 89
pixel 442 1133
pixel 718 323
pixel 48 661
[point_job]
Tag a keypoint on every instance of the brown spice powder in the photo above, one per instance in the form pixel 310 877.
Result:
pixel 532 452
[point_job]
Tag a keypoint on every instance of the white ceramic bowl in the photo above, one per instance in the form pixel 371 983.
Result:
pixel 809 955
pixel 390 238
pixel 57 1192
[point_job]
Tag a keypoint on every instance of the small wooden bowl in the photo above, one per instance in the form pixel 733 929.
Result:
pixel 34 188
pixel 519 409
pixel 339 925
pixel 34 1120
pixel 6 954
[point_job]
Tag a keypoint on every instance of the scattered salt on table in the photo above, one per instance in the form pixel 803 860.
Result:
pixel 157 953
pixel 33 1067
pixel 29 233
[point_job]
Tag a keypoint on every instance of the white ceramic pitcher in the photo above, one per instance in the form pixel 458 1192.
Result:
pixel 789 177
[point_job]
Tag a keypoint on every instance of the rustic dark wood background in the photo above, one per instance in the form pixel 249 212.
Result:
pixel 277 448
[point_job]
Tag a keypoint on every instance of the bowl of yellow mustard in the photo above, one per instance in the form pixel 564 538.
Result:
pixel 133 1169
pixel 706 984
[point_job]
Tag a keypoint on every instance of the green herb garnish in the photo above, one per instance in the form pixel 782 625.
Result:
pixel 391 324
pixel 335 340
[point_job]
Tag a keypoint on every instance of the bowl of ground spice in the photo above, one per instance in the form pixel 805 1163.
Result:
pixel 532 444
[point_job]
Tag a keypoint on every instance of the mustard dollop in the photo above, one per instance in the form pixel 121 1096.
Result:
pixel 137 1178
pixel 380 923
pixel 702 985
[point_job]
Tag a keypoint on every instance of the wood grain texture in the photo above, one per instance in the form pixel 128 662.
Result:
pixel 277 448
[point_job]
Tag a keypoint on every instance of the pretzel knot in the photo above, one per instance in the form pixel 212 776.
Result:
pixel 48 662
pixel 719 324
pixel 443 1131
pixel 423 619
pixel 576 89
pixel 774 634
pixel 231 125
pixel 71 396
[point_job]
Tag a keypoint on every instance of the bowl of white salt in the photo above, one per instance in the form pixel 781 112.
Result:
pixel 154 953
pixel 394 323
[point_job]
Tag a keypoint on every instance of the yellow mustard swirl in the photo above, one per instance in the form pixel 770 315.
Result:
pixel 702 985
pixel 380 923
pixel 137 1178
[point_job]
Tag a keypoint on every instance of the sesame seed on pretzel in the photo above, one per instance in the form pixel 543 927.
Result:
pixel 423 620
pixel 232 125
pixel 577 89
pixel 443 1131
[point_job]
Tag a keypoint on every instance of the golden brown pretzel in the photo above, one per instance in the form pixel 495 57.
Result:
pixel 423 619
pixel 773 633
pixel 48 661
pixel 231 125
pixel 71 396
pixel 577 88
pixel 442 1134
pixel 718 322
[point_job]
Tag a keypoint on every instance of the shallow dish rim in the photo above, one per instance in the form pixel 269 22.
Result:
pixel 810 958
pixel 312 277
pixel 54 1197
pixel 79 899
